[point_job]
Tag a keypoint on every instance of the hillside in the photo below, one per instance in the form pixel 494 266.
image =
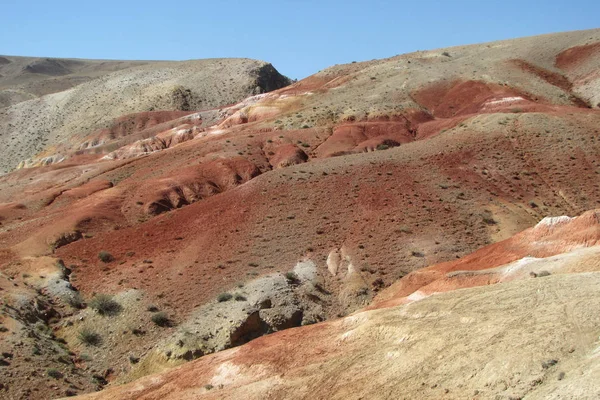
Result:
pixel 26 78
pixel 53 101
pixel 347 200
pixel 443 343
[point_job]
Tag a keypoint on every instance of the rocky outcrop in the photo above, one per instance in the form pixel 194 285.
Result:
pixel 39 162
pixel 272 303
pixel 269 79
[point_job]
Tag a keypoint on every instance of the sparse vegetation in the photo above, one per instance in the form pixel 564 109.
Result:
pixel 138 332
pixel 105 305
pixel 89 337
pixel 488 217
pixel 239 297
pixel 105 257
pixel 382 146
pixel 224 297
pixel 291 277
pixel 161 319
pixel 54 373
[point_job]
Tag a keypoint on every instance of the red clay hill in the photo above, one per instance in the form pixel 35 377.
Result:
pixel 169 234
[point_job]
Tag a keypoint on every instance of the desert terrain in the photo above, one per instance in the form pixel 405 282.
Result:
pixel 422 226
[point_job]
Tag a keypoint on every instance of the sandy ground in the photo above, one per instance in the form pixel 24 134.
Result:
pixel 534 339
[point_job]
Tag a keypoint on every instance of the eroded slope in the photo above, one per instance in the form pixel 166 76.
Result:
pixel 299 205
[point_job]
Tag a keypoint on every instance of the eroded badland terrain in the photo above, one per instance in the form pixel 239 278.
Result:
pixel 422 226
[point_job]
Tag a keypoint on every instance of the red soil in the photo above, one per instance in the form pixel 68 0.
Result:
pixel 192 184
pixel 316 83
pixel 413 198
pixel 446 100
pixel 572 58
pixel 552 78
pixel 251 200
pixel 87 189
pixel 365 136
pixel 131 128
pixel 137 122
pixel 541 241
pixel 285 155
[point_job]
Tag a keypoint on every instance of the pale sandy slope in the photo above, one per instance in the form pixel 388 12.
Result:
pixel 533 339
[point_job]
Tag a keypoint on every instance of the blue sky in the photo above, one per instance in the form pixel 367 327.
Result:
pixel 298 37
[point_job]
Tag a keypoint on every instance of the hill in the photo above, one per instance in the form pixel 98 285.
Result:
pixel 53 101
pixel 350 197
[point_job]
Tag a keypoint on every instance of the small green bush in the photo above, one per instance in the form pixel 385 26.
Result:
pixel 382 146
pixel 105 256
pixel 89 337
pixel 138 332
pixel 105 305
pixel 161 319
pixel 488 217
pixel 291 277
pixel 224 297
pixel 54 373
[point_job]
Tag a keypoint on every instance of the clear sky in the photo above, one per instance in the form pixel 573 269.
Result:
pixel 298 37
